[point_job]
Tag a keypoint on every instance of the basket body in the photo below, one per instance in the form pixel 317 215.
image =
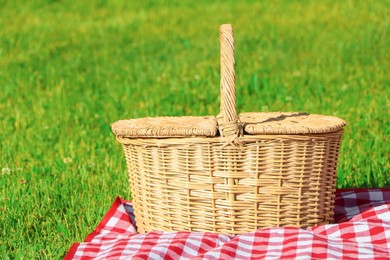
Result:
pixel 200 184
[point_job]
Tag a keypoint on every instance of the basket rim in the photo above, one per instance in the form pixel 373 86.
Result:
pixel 254 123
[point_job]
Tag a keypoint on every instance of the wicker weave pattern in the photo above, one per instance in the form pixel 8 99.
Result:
pixel 166 126
pixel 289 123
pixel 199 185
pixel 282 173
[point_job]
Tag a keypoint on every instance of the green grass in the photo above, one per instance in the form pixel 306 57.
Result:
pixel 68 69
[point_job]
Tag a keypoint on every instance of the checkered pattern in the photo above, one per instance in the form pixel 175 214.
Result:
pixel 362 231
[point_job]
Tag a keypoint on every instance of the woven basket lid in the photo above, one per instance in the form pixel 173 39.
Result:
pixel 160 127
pixel 289 123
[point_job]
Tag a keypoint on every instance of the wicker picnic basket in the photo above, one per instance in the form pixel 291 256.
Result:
pixel 231 174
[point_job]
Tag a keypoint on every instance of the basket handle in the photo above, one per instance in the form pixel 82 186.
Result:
pixel 228 122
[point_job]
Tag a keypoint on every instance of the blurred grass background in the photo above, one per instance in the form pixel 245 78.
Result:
pixel 68 69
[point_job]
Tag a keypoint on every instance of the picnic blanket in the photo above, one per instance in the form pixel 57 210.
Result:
pixel 361 231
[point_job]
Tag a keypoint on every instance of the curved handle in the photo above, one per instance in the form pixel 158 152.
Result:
pixel 228 119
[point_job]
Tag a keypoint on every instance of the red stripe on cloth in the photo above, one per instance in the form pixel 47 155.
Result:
pixel 72 251
pixel 349 203
pixel 102 225
pixel 98 229
pixel 106 218
pixel 339 191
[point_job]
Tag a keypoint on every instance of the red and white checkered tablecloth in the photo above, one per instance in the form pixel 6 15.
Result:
pixel 361 231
